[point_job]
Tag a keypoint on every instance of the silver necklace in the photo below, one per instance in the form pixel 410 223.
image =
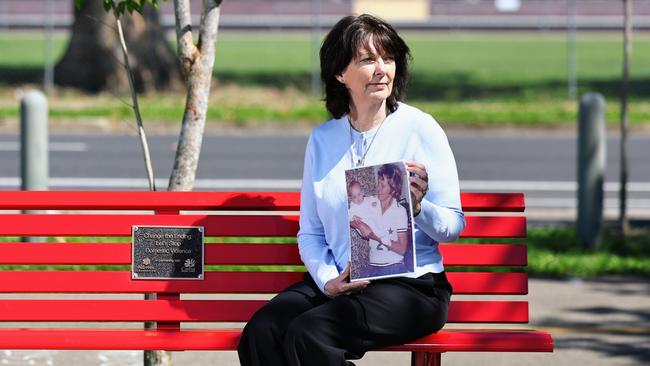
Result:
pixel 362 159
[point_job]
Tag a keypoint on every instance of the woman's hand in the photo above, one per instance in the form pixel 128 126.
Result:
pixel 419 184
pixel 364 229
pixel 341 286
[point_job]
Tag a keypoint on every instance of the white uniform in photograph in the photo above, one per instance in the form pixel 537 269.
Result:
pixel 391 222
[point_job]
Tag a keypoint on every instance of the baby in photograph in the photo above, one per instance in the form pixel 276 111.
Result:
pixel 364 208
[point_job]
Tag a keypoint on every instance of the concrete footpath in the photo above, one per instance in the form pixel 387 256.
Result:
pixel 593 322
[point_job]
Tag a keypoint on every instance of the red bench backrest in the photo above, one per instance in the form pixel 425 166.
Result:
pixel 222 214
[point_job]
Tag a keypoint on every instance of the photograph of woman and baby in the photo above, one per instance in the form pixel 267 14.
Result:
pixel 381 234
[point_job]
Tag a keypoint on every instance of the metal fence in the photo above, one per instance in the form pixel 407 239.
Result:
pixel 302 14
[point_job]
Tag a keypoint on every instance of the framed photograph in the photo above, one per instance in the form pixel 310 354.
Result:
pixel 380 218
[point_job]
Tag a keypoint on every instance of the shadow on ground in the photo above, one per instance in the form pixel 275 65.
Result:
pixel 608 330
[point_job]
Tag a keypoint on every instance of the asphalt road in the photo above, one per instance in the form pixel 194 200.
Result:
pixel 540 164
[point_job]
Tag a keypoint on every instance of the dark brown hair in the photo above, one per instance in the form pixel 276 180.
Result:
pixel 393 175
pixel 340 47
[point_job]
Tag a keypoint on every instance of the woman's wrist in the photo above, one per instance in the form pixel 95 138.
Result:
pixel 327 292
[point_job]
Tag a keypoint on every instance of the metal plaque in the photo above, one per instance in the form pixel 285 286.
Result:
pixel 167 252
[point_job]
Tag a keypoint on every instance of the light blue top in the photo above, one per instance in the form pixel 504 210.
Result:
pixel 406 134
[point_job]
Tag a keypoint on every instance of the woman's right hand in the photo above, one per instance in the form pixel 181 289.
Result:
pixel 364 229
pixel 341 286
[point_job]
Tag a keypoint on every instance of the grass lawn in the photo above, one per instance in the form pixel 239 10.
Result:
pixel 468 79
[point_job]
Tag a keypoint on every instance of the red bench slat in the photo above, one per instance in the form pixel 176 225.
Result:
pixel 488 312
pixel 492 202
pixel 120 282
pixel 213 311
pixel 494 227
pixel 497 283
pixel 484 254
pixel 170 201
pixel 215 225
pixel 120 225
pixel 145 200
pixel 120 253
pixel 228 339
pixel 218 282
pixel 128 310
pixel 66 253
pixel 481 341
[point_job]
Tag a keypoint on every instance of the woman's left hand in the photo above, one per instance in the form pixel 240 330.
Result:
pixel 419 184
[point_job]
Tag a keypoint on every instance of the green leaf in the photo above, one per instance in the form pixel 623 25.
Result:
pixel 108 4
pixel 154 3
pixel 78 3
pixel 120 8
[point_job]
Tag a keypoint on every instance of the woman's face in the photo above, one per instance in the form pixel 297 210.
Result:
pixel 383 188
pixel 369 76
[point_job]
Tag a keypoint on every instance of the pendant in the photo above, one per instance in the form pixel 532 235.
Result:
pixel 359 163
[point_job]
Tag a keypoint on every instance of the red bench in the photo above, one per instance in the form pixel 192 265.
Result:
pixel 223 214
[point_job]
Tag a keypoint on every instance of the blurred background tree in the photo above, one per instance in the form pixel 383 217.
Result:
pixel 92 60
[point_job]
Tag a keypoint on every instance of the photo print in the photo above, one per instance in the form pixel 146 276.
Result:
pixel 380 221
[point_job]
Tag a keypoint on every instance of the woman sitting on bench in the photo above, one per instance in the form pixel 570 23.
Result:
pixel 325 319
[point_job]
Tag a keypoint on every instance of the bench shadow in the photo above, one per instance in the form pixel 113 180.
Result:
pixel 637 351
pixel 241 202
pixel 626 336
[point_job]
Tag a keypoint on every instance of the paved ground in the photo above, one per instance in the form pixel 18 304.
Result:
pixel 596 322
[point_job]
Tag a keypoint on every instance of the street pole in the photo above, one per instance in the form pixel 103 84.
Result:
pixel 34 162
pixel 592 140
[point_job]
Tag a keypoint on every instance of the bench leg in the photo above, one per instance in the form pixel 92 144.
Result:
pixel 425 359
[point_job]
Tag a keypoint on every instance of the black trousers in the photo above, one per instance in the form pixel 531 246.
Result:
pixel 301 326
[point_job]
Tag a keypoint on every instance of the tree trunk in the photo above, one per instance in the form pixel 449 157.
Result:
pixel 92 61
pixel 197 62
pixel 627 54
pixel 157 358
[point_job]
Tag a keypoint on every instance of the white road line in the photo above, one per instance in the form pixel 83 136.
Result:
pixel 550 186
pixel 54 146
pixel 551 202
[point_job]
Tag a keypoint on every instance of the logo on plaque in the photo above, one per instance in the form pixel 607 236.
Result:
pixel 167 252
pixel 189 266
